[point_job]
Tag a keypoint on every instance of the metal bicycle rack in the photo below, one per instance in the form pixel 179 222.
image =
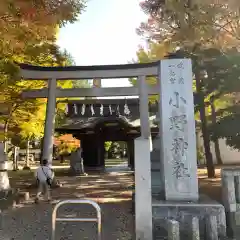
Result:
pixel 65 202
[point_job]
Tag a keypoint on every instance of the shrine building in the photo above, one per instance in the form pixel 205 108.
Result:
pixel 95 121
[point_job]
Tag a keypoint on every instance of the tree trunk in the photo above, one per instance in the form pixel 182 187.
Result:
pixel 6 124
pixel 27 165
pixel 216 141
pixel 5 136
pixel 205 133
pixel 4 179
pixel 15 159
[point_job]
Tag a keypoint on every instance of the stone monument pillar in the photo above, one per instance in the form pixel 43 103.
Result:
pixel 177 129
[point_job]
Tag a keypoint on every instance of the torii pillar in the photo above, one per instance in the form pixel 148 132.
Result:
pixel 48 139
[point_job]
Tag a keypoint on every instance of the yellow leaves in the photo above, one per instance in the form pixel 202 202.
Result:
pixel 29 22
pixel 33 84
pixel 189 22
pixel 32 129
pixel 28 33
pixel 65 84
pixel 32 124
pixel 154 52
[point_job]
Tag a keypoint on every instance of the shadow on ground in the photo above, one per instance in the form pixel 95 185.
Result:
pixel 210 187
pixel 112 190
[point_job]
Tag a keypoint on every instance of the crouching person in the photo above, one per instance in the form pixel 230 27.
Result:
pixel 44 176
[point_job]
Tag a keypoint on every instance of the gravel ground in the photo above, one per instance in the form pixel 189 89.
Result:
pixel 29 221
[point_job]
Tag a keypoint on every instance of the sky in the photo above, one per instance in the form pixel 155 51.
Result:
pixel 104 34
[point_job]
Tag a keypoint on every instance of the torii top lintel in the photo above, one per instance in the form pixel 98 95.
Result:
pixel 31 72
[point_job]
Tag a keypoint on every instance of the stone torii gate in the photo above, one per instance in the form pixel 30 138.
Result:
pixel 177 125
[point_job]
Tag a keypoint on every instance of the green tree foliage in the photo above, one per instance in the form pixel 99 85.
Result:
pixel 218 74
pixel 107 145
pixel 26 23
pixel 154 52
pixel 65 148
pixel 227 126
pixel 188 22
pixel 194 25
pixel 81 84
pixel 24 114
pixel 28 32
pixel 227 116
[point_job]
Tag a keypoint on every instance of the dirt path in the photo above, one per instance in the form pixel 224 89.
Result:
pixel 110 190
pixel 210 187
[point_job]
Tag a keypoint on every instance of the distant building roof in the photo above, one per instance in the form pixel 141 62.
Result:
pixel 90 123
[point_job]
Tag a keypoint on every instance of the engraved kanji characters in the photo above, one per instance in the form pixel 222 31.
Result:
pixel 176 100
pixel 178 122
pixel 173 75
pixel 181 80
pixel 179 169
pixel 179 146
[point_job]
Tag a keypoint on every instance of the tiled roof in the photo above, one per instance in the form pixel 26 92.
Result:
pixel 81 123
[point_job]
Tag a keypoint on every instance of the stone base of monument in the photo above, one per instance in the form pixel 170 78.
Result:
pixel 204 219
pixel 231 199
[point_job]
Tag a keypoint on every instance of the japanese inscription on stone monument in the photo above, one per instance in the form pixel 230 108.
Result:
pixel 178 121
pixel 178 128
